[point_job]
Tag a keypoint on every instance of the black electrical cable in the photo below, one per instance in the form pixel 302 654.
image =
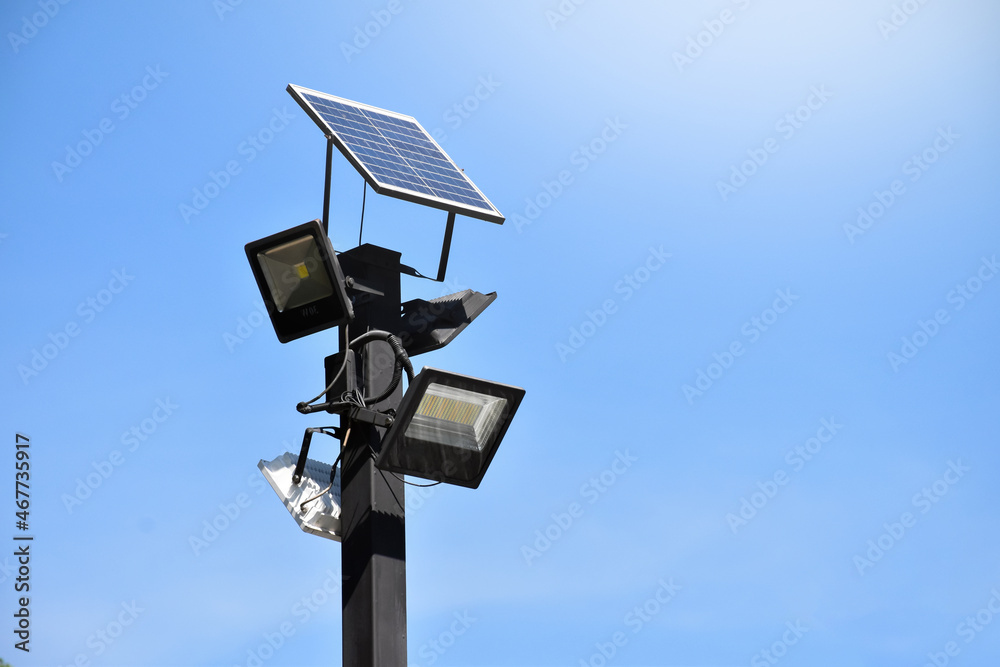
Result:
pixel 333 474
pixel 304 404
pixel 402 362
pixel 371 452
pixel 422 486
pixel 400 352
pixel 333 469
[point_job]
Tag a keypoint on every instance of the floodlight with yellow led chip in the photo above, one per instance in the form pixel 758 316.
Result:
pixel 300 280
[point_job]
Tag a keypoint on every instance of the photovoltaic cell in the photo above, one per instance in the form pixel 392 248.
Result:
pixel 395 154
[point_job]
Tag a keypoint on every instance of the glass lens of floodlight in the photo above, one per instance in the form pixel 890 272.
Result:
pixel 295 273
pixel 456 417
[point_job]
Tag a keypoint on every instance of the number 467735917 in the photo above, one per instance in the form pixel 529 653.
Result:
pixel 23 465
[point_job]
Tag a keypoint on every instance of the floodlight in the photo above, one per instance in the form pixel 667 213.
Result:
pixel 448 427
pixel 321 514
pixel 430 325
pixel 300 280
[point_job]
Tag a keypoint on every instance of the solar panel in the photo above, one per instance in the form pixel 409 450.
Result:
pixel 395 154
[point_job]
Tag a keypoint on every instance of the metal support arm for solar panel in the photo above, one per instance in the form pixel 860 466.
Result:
pixel 326 186
pixel 446 246
pixel 445 251
pixel 449 228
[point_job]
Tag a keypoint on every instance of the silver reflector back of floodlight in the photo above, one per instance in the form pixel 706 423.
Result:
pixel 322 515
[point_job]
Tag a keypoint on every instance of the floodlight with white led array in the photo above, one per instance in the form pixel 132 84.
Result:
pixel 300 280
pixel 448 427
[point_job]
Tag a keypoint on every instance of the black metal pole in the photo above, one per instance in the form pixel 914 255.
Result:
pixel 373 554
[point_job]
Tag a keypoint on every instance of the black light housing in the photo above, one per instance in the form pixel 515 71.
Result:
pixel 448 427
pixel 300 279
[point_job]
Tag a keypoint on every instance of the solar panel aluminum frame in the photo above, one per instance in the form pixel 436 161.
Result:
pixel 492 214
pixel 392 455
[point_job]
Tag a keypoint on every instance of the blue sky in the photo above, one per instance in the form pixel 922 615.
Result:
pixel 746 279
